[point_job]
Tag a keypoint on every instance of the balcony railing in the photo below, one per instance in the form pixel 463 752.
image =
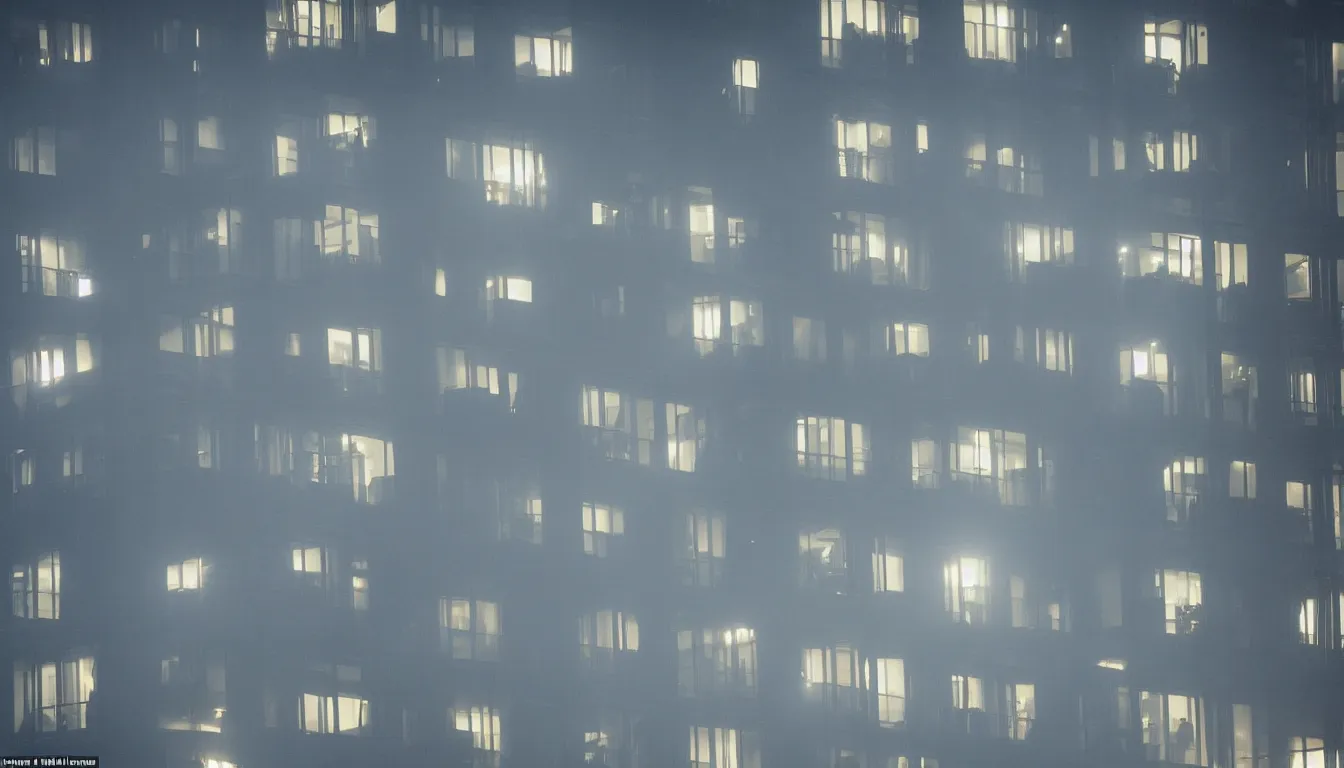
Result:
pixel 49 281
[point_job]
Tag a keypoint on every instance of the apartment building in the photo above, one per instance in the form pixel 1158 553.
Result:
pixel 722 383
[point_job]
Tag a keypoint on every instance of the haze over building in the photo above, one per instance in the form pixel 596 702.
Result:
pixel 722 383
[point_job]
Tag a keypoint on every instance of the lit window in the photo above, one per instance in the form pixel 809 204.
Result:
pixel 996 31
pixel 36 588
pixel 53 696
pixel 746 79
pixel 1182 595
pixel 483 725
pixel 1297 277
pixel 888 566
pixel 829 448
pixel 966 590
pixel 604 634
pixel 907 339
pixel 864 151
pixel 700 549
pixel 601 525
pixel 544 55
pixel 385 16
pixel 723 748
pixel 186 576
pixel 469 629
pixel 716 661
pixel 1241 483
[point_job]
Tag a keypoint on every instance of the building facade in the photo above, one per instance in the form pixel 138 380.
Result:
pixel 730 383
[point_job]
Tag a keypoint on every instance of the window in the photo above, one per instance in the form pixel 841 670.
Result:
pixel 1300 498
pixel 1182 595
pixel 1027 244
pixel 700 551
pixel 996 31
pixel 1176 45
pixel 724 748
pixel 822 563
pixel 601 525
pixel 700 222
pixel 469 629
pixel 342 713
pixel 1054 350
pixel 1018 171
pixel 45 365
pixel 1306 752
pixel 1297 277
pixel 34 151
pixel 186 576
pixel 1230 266
pixel 170 145
pixel 872 248
pixel 993 461
pixel 312 565
pixel 384 16
pixel 445 41
pixel 1176 154
pixel 907 339
pixel 864 151
pixel 286 155
pixel 832 677
pixel 53 696
pixel 746 79
pixel 1183 483
pixel 512 174
pixel 968 693
pixel 1020 706
pixel 1302 389
pixel 346 234
pixel 809 339
pixel 345 131
pixel 1171 255
pixel 1241 484
pixel 357 348
pixel 746 324
pixel 685 436
pixel 858 18
pixel 966 590
pixel 604 634
pixel 1339 142
pixel 889 690
pixel 192 693
pixel 1306 622
pixel 888 566
pixel 35 587
pixel 924 467
pixel 76 42
pixel 1034 608
pixel 53 265
pixel 1240 390
pixel 483 725
pixel 209 334
pixel 823 445
pixel 619 425
pixel 359 585
pixel 460 371
pixel 371 466
pixel 547 55
pixel 315 23
pixel 208 134
pixel 1173 728
pixel 1148 363
pixel 716 661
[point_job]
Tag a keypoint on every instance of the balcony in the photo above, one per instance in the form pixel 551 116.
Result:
pixel 49 281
